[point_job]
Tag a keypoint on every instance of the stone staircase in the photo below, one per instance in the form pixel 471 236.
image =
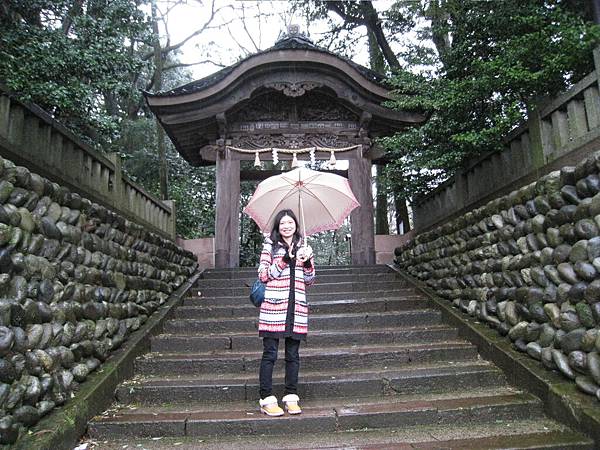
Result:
pixel 380 370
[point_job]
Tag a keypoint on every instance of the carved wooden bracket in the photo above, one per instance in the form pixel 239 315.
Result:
pixel 222 124
pixel 294 89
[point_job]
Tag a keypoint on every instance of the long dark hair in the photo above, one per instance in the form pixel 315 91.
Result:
pixel 276 236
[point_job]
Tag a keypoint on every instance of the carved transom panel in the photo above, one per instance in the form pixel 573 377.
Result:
pixel 277 106
pixel 259 141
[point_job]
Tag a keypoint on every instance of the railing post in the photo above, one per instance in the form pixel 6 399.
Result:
pixel 118 187
pixel 172 222
pixel 536 139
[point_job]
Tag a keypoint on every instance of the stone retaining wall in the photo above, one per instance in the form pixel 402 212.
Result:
pixel 528 265
pixel 75 280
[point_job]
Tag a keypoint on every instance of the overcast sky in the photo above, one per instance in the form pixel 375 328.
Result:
pixel 230 38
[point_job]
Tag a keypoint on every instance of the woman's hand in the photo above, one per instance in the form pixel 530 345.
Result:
pixel 304 253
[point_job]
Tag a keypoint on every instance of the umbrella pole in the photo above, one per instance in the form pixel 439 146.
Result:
pixel 302 218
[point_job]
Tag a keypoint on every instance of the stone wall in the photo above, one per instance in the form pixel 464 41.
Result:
pixel 528 265
pixel 75 280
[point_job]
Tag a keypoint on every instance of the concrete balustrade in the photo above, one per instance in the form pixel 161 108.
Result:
pixel 31 137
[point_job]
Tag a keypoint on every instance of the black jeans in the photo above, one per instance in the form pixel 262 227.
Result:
pixel 292 365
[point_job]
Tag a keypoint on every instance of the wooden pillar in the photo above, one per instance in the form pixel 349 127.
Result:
pixel 363 229
pixel 227 221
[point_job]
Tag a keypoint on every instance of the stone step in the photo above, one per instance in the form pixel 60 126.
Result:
pixel 243 299
pixel 203 311
pixel 320 322
pixel 537 433
pixel 250 341
pixel 245 272
pixel 329 417
pixel 317 288
pixel 428 378
pixel 245 280
pixel 344 358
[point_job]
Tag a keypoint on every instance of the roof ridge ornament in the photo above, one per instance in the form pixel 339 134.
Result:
pixel 293 33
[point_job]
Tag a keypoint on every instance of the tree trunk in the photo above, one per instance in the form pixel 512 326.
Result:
pixel 160 132
pixel 402 219
pixel 382 225
pixel 373 24
pixel 439 18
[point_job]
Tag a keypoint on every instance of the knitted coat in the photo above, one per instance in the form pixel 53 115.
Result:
pixel 275 272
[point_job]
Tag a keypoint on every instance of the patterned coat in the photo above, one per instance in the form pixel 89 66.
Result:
pixel 274 271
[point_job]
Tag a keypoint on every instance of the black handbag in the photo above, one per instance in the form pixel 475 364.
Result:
pixel 257 293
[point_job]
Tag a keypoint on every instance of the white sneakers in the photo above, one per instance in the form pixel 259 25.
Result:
pixel 270 407
pixel 290 403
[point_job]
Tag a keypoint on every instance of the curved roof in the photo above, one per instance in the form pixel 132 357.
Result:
pixel 294 42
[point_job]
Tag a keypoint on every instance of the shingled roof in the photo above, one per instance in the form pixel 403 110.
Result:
pixel 287 42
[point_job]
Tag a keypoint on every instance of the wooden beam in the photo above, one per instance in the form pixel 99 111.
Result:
pixel 227 221
pixel 259 175
pixel 361 219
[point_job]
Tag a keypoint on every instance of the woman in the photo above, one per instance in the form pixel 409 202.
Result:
pixel 287 269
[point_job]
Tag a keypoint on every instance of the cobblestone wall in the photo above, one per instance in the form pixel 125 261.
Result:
pixel 75 280
pixel 528 265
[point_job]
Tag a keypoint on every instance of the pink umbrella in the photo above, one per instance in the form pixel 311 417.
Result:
pixel 320 200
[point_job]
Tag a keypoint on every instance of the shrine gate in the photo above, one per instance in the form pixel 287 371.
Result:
pixel 294 100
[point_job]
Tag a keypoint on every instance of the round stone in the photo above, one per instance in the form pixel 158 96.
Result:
pixel 586 385
pixel 567 231
pixel 592 291
pixel 578 361
pixel 585 314
pixel 586 229
pixel 569 320
pixel 562 362
pixel 589 339
pixel 594 207
pixel 518 331
pixel 534 350
pixel 546 336
pixel 579 251
pixel 567 273
pixel 561 253
pixel 571 341
pixel 585 270
pixel 553 236
pixel 569 193
pixel 547 360
pixel 593 365
pixel 27 415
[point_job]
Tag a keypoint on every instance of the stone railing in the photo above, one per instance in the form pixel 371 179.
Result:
pixel 76 279
pixel 30 137
pixel 556 134
pixel 528 265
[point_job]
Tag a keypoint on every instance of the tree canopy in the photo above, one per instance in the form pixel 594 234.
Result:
pixel 474 67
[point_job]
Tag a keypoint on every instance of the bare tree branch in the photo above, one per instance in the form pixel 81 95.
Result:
pixel 244 49
pixel 204 27
pixel 256 48
pixel 204 61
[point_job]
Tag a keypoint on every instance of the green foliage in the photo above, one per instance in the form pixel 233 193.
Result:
pixel 192 188
pixel 69 59
pixel 503 55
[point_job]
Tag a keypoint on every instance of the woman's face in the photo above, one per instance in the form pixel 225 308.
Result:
pixel 287 227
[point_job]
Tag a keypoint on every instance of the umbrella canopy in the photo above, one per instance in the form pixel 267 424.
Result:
pixel 320 200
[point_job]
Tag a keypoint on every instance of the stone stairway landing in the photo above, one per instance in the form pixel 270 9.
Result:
pixel 379 370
